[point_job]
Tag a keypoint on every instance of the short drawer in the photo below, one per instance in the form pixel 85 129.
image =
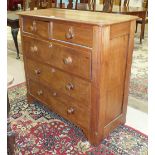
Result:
pixel 37 27
pixel 73 33
pixel 70 85
pixel 60 56
pixel 54 101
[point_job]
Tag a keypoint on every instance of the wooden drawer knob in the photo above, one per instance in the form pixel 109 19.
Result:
pixel 39 92
pixel 70 33
pixel 37 71
pixel 33 27
pixel 70 110
pixel 34 48
pixel 69 86
pixel 67 60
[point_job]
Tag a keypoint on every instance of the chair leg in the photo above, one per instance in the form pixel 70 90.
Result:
pixel 14 35
pixel 142 30
pixel 136 27
pixel 8 105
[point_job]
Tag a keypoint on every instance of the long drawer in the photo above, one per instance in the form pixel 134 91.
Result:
pixel 60 56
pixel 52 100
pixel 72 86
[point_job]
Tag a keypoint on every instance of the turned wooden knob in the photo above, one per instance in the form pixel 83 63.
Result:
pixel 33 27
pixel 70 33
pixel 70 110
pixel 34 48
pixel 37 71
pixel 67 60
pixel 69 86
pixel 39 92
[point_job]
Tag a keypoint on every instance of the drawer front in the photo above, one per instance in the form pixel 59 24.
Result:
pixel 73 33
pixel 70 111
pixel 37 27
pixel 70 85
pixel 60 56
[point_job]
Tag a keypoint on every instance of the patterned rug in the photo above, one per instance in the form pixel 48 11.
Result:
pixel 138 82
pixel 139 71
pixel 41 132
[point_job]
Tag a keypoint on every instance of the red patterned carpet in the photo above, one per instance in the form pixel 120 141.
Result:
pixel 41 132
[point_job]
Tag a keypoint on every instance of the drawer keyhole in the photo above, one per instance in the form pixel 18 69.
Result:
pixel 39 92
pixel 53 70
pixel 69 86
pixel 50 45
pixel 37 71
pixel 54 94
pixel 70 110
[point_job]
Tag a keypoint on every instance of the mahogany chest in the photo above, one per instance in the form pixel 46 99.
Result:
pixel 78 63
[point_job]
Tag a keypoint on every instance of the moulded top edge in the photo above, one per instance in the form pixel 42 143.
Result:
pixel 87 17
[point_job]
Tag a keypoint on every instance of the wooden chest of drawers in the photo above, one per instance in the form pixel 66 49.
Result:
pixel 78 64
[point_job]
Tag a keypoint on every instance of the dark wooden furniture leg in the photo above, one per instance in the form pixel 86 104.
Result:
pixel 8 106
pixel 14 35
pixel 136 27
pixel 94 5
pixel 60 3
pixel 70 4
pixel 142 29
pixel 13 22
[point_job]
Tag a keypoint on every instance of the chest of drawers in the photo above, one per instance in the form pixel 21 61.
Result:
pixel 78 64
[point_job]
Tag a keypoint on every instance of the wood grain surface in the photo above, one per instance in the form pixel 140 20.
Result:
pixel 78 64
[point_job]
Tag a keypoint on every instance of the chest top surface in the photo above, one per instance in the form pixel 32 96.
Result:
pixel 87 17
